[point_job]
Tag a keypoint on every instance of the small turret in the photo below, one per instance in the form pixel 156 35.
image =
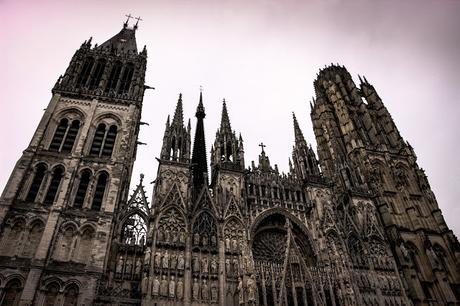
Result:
pixel 305 162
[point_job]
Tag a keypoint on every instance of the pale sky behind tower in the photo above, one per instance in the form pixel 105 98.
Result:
pixel 262 57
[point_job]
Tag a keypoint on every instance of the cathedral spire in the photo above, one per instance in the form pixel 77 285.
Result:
pixel 200 165
pixel 297 131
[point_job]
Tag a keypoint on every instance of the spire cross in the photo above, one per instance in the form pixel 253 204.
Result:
pixel 138 19
pixel 201 88
pixel 262 146
pixel 129 17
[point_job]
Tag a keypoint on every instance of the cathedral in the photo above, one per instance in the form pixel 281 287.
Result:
pixel 355 223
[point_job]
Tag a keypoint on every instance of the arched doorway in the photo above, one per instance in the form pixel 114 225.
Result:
pixel 282 256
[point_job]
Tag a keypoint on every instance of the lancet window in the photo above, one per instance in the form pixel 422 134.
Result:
pixel 104 140
pixel 56 178
pixel 97 74
pixel 134 230
pixel 12 293
pixel 114 76
pixel 40 171
pixel 85 177
pixel 126 78
pixel 99 191
pixel 64 136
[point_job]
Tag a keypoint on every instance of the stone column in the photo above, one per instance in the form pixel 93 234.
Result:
pixel 187 271
pixel 221 271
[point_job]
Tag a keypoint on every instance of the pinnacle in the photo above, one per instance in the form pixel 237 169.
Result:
pixel 297 131
pixel 178 114
pixel 200 109
pixel 225 121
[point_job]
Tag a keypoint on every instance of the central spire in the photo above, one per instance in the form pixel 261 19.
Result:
pixel 225 121
pixel 199 162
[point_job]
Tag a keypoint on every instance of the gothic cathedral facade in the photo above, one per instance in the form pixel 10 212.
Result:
pixel 359 225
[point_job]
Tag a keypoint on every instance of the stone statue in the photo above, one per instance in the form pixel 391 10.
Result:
pixel 240 291
pixel 180 289
pixel 182 237
pixel 205 240
pixel 236 269
pixel 214 265
pixel 157 259
pixel 145 284
pixel 165 261
pixel 173 264
pixel 175 237
pixel 138 269
pixel 167 236
pixel 156 286
pixel 164 286
pixel 213 240
pixel 252 287
pixel 204 264
pixel 227 244
pixel 160 235
pixel 196 289
pixel 196 239
pixel 234 245
pixel 404 251
pixel 204 290
pixel 214 295
pixel 196 264
pixel 142 241
pixel 180 262
pixel 128 266
pixel 120 265
pixel 433 258
pixel 172 288
pixel 227 266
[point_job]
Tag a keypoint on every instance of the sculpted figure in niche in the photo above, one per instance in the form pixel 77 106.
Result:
pixel 156 286
pixel 196 239
pixel 175 237
pixel 120 265
pixel 180 288
pixel 433 258
pixel 142 241
pixel 157 259
pixel 204 290
pixel 204 264
pixel 214 265
pixel 164 286
pixel 173 261
pixel 160 235
pixel 214 292
pixel 213 240
pixel 196 289
pixel 167 236
pixel 138 269
pixel 252 287
pixel 196 264
pixel 227 266
pixel 240 291
pixel 145 284
pixel 180 262
pixel 172 288
pixel 128 267
pixel 205 241
pixel 227 244
pixel 165 261
pixel 236 269
pixel 234 245
pixel 182 237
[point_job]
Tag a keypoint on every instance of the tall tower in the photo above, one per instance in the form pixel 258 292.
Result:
pixel 58 210
pixel 360 147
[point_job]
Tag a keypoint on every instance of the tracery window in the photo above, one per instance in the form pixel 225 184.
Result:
pixel 171 228
pixel 99 191
pixel 82 189
pixel 54 185
pixel 134 230
pixel 104 140
pixel 12 293
pixel 40 171
pixel 71 295
pixel 205 231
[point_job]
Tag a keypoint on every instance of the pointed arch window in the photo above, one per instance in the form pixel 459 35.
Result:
pixel 12 293
pixel 134 230
pixel 71 136
pixel 126 78
pixel 71 295
pixel 58 173
pixel 59 135
pixel 85 72
pixel 104 140
pixel 99 191
pixel 85 246
pixel 109 141
pixel 33 239
pixel 82 189
pixel 114 76
pixel 40 172
pixel 97 74
pixel 51 294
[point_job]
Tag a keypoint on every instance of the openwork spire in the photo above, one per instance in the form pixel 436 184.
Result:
pixel 178 114
pixel 200 166
pixel 225 120
pixel 297 131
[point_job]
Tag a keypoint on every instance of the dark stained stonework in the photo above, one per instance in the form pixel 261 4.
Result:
pixel 357 226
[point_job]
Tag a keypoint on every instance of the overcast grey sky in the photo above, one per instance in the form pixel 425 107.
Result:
pixel 262 56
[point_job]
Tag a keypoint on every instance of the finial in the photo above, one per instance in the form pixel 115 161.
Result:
pixel 137 22
pixel 142 178
pixel 201 88
pixel 262 146
pixel 127 20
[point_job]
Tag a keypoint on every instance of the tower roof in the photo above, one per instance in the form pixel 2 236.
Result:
pixel 225 120
pixel 178 114
pixel 200 165
pixel 297 131
pixel 125 40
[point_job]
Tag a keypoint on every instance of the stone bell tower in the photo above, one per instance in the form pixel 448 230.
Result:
pixel 57 210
